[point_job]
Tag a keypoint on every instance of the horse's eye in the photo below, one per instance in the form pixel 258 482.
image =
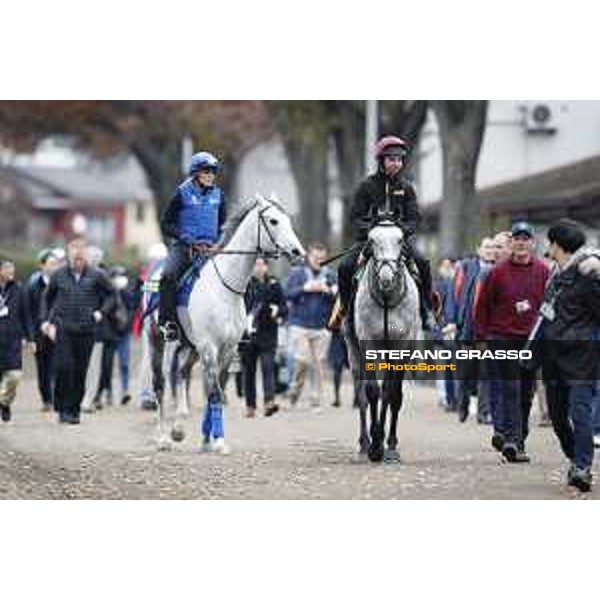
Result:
pixel 274 221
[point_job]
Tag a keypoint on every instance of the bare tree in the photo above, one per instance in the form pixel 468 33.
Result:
pixel 150 130
pixel 304 129
pixel 461 126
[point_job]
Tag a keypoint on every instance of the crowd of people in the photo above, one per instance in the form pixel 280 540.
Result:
pixel 75 310
pixel 505 297
pixel 77 315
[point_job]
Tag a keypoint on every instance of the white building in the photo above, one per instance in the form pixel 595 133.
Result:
pixel 540 160
pixel 65 192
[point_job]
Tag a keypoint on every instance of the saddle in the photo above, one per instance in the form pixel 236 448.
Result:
pixel 185 286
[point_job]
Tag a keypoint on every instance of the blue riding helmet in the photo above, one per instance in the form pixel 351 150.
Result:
pixel 203 160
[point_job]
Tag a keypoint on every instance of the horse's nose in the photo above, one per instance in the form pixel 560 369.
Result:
pixel 297 255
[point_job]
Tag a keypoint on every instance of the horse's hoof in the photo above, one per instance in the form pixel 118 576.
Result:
pixel 220 447
pixel 164 444
pixel 391 456
pixel 376 453
pixel 359 458
pixel 178 434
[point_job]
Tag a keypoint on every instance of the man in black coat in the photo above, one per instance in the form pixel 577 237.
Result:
pixel 570 350
pixel 388 192
pixel 267 309
pixel 15 327
pixel 77 298
pixel 44 348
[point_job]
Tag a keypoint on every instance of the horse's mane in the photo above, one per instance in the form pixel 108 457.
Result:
pixel 239 212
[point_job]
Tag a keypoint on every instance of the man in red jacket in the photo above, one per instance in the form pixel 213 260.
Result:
pixel 508 305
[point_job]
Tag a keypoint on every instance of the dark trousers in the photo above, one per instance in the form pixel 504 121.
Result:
pixel 109 349
pixel 596 408
pixel 517 386
pixel 72 357
pixel 44 353
pixel 267 359
pixel 570 410
pixel 495 402
pixel 178 261
pixel 468 375
pixel 450 385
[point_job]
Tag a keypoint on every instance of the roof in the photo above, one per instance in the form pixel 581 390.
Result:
pixel 92 182
pixel 570 185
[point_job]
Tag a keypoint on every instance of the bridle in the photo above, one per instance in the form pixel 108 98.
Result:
pixel 384 297
pixel 258 252
pixel 390 297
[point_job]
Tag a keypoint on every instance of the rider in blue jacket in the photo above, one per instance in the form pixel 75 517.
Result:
pixel 194 220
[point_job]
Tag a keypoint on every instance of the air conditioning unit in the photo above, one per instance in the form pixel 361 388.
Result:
pixel 541 118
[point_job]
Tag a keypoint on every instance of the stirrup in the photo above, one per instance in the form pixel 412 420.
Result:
pixel 170 331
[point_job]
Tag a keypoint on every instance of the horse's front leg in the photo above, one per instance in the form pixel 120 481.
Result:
pixel 213 431
pixel 394 393
pixel 363 436
pixel 375 452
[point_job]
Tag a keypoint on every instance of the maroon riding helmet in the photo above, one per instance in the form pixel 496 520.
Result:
pixel 391 145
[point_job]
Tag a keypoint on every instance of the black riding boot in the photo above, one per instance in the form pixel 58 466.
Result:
pixel 424 285
pixel 346 273
pixel 345 291
pixel 177 262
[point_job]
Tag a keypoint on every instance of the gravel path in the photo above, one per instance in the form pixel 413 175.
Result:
pixel 294 455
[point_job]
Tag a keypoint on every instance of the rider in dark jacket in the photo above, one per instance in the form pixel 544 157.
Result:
pixel 193 220
pixel 385 191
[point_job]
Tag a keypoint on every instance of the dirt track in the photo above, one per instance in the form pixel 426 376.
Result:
pixel 296 454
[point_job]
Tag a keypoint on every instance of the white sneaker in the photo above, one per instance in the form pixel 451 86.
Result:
pixel 597 440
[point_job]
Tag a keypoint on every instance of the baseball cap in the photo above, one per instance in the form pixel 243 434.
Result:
pixel 522 227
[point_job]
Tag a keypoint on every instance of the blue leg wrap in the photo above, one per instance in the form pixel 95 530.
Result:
pixel 207 422
pixel 216 410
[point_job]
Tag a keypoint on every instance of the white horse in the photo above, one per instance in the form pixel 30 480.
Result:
pixel 386 308
pixel 216 316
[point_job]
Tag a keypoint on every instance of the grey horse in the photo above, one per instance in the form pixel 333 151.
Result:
pixel 386 307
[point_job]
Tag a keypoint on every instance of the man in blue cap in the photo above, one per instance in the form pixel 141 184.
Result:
pixel 194 220
pixel 505 313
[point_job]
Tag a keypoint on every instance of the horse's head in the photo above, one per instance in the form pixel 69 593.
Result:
pixel 276 232
pixel 386 240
